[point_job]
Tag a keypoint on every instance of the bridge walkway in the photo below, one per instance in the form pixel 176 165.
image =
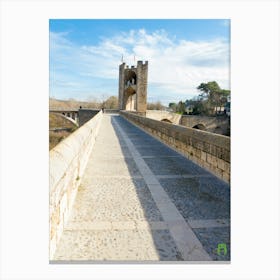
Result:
pixel 141 201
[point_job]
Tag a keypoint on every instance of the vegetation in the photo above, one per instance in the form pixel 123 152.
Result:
pixel 210 101
pixel 155 106
pixel 177 107
pixel 211 98
pixel 111 103
pixel 57 121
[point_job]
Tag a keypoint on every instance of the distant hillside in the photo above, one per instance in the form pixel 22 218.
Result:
pixel 72 104
pixel 110 103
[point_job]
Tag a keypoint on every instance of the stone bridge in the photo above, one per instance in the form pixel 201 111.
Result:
pixel 128 188
pixel 219 124
pixel 69 114
pixel 79 116
pixel 163 116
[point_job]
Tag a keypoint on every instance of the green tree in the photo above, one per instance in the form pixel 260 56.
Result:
pixel 173 106
pixel 181 107
pixel 212 96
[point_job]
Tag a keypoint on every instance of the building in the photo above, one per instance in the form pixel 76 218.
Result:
pixel 133 87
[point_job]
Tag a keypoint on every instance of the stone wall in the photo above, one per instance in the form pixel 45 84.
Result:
pixel 209 150
pixel 67 163
pixel 219 124
pixel 86 114
pixel 142 85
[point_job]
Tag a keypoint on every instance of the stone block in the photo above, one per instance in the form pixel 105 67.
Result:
pixel 226 155
pixel 218 171
pixel 206 147
pixel 212 160
pixel 207 165
pixel 177 144
pixel 209 158
pixel 219 152
pixel 55 217
pixel 226 177
pixel 199 145
pixel 203 156
pixel 221 164
pixel 213 150
pixel 227 167
pixel 197 153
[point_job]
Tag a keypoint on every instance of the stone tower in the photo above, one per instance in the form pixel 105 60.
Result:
pixel 133 87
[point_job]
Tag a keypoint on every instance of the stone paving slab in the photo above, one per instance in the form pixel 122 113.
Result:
pixel 209 223
pixel 114 199
pixel 163 151
pixel 118 245
pixel 126 166
pixel 211 238
pixel 108 153
pixel 143 141
pixel 195 202
pixel 171 165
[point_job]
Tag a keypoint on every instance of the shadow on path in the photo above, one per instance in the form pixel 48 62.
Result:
pixel 197 194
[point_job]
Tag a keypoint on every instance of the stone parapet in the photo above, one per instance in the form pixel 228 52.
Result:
pixel 161 115
pixel 67 164
pixel 209 150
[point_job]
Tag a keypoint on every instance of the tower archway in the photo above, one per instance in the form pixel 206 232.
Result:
pixel 130 99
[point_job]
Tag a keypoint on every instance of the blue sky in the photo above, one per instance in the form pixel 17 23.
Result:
pixel 85 56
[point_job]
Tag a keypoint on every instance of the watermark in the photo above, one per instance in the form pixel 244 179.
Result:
pixel 222 249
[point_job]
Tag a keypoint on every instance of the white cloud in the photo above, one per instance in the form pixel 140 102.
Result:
pixel 225 22
pixel 175 66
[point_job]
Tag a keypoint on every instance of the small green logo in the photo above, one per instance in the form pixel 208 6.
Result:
pixel 222 248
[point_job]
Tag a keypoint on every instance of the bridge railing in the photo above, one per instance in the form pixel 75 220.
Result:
pixel 67 163
pixel 209 150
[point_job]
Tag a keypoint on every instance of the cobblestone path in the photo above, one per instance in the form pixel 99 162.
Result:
pixel 141 201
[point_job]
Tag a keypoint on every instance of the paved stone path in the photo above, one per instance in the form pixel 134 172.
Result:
pixel 141 201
